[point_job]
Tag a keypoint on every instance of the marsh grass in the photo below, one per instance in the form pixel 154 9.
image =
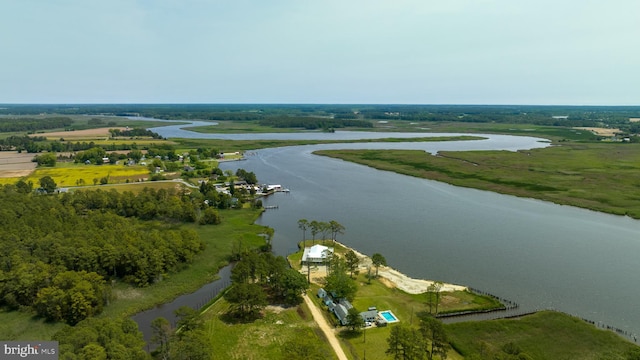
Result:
pixel 544 335
pixel 597 176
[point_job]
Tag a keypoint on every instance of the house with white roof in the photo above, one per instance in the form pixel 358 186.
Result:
pixel 317 254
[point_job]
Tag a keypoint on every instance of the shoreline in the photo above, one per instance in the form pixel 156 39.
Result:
pixel 394 278
pixel 389 276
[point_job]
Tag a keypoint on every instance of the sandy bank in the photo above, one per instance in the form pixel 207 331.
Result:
pixel 394 278
pixel 389 276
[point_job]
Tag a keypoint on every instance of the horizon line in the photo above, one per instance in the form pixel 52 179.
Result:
pixel 305 104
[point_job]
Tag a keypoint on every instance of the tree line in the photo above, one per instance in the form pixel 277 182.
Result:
pixel 321 228
pixel 31 125
pixel 135 132
pixel 37 144
pixel 313 123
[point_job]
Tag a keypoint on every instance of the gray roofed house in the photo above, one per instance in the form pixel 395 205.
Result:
pixel 341 312
pixel 322 293
pixel 330 304
pixel 369 316
pixel 345 303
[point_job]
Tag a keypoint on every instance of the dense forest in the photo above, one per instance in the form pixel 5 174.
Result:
pixel 312 123
pixel 57 252
pixel 31 125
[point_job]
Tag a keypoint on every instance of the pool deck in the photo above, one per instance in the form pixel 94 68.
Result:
pixel 391 314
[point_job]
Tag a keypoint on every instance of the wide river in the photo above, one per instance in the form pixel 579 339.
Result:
pixel 538 254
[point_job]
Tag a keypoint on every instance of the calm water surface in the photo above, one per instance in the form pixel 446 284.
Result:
pixel 538 254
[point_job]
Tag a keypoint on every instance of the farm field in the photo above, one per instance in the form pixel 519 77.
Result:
pixel 14 165
pixel 78 134
pixel 77 175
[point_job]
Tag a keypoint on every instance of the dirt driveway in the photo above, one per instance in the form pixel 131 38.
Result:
pixel 326 329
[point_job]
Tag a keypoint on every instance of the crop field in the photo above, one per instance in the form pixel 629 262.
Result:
pixel 74 174
pixel 85 134
pixel 14 165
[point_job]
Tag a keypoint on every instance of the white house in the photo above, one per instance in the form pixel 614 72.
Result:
pixel 317 254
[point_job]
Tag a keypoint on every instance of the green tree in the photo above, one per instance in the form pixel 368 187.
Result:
pixel 210 216
pixel 434 337
pixel 47 184
pixel 192 345
pixel 405 343
pixel 135 155
pixel 355 322
pixel 352 260
pixel 72 297
pixel 293 285
pixel 336 228
pixel 303 224
pixel 433 296
pixel 47 159
pixel 92 352
pixel 339 283
pixel 161 330
pixel 246 299
pixel 188 320
pixel 315 228
pixel 24 187
pixel 119 339
pixel 378 260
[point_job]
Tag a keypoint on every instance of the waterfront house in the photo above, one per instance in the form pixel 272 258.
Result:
pixel 317 254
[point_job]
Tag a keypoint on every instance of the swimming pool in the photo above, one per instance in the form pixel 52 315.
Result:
pixel 388 316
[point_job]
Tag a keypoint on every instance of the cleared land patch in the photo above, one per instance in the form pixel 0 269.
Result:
pixel 14 164
pixel 78 134
pixel 601 131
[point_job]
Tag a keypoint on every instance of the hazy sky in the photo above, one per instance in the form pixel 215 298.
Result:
pixel 323 51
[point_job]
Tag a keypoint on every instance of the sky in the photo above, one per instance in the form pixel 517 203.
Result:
pixel 542 52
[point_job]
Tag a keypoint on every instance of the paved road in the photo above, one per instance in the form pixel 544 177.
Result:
pixel 326 328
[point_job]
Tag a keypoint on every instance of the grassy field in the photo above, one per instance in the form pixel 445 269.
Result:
pixel 544 335
pixel 263 338
pixel 237 228
pixel 601 176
